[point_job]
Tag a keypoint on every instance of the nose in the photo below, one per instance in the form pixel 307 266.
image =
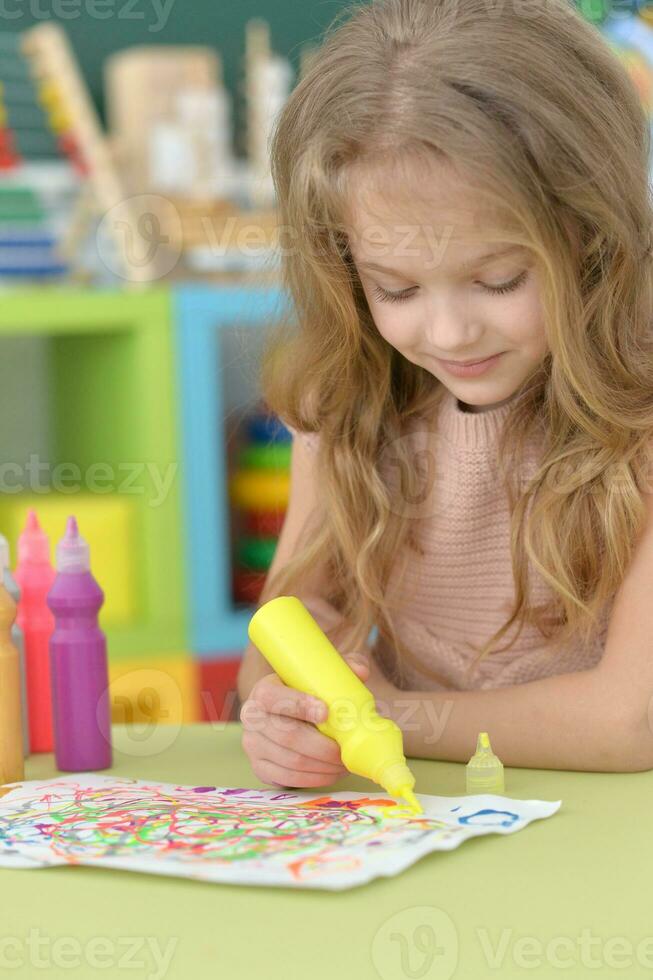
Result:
pixel 450 329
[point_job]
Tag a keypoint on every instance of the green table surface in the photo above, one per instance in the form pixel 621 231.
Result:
pixel 570 895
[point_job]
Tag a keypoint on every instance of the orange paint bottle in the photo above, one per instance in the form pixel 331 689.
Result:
pixel 12 767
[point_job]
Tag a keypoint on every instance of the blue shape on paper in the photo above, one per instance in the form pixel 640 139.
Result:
pixel 498 818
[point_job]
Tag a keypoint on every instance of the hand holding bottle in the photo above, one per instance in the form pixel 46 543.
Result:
pixel 299 651
pixel 279 734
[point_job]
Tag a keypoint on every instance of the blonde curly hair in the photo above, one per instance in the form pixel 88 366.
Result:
pixel 560 142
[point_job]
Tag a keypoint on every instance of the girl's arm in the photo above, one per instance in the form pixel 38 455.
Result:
pixel 568 721
pixel 599 720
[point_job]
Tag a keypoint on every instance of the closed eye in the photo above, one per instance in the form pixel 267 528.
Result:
pixel 386 297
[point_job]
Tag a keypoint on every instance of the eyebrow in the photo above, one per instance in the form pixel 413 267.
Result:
pixel 482 260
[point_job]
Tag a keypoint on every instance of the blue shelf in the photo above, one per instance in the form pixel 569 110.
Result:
pixel 217 627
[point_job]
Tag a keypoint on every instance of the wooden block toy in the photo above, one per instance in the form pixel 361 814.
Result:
pixel 264 523
pixel 268 83
pixel 248 585
pixel 218 693
pixel 260 489
pixel 20 206
pixel 259 500
pixel 255 553
pixel 47 115
pixel 262 427
pixel 148 90
pixel 273 457
pixel 110 524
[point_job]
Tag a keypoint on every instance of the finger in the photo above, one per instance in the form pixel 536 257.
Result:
pixel 260 745
pixel 276 698
pixel 292 759
pixel 300 736
pixel 269 771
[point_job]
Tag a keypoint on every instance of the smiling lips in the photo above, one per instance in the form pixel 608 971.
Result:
pixel 464 369
pixel 476 360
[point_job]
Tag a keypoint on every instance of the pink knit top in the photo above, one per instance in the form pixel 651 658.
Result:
pixel 460 590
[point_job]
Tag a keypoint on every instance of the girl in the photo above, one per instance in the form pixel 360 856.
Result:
pixel 465 226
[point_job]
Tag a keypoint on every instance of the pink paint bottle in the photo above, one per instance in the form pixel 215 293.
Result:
pixel 34 577
pixel 78 661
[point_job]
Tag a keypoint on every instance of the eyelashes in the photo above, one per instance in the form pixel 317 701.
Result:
pixel 385 297
pixel 508 287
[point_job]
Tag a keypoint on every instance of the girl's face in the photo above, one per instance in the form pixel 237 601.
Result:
pixel 440 290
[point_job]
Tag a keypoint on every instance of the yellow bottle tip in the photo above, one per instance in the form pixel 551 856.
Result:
pixel 484 771
pixel 483 748
pixel 412 800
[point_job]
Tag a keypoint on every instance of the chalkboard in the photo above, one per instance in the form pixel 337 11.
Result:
pixel 97 28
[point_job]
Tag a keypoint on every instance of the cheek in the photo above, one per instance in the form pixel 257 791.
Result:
pixel 533 313
pixel 523 322
pixel 395 327
pixel 394 321
pixel 533 319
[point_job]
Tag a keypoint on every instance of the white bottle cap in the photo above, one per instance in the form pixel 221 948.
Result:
pixel 4 554
pixel 72 550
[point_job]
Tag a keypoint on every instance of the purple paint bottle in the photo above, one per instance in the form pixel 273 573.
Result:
pixel 78 661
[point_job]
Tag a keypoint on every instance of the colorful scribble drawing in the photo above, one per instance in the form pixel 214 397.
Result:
pixel 237 835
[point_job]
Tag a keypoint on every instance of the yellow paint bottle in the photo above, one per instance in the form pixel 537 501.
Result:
pixel 305 659
pixel 484 771
pixel 12 768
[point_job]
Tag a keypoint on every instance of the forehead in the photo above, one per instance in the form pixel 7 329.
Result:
pixel 421 200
